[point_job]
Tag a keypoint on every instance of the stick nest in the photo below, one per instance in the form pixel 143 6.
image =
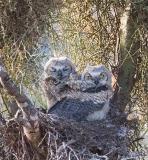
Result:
pixel 63 140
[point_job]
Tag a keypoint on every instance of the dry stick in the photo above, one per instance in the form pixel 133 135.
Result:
pixel 30 120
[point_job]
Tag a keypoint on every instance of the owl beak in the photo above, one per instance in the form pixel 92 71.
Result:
pixel 96 81
pixel 59 75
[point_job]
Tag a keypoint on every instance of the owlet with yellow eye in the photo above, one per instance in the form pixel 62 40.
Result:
pixel 98 75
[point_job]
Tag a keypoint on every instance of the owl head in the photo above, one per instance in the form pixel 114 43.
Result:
pixel 99 75
pixel 60 68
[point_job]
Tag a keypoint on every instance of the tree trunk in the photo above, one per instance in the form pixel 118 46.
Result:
pixel 129 45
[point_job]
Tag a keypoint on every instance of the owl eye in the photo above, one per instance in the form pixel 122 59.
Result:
pixel 52 69
pixel 88 76
pixel 102 76
pixel 66 69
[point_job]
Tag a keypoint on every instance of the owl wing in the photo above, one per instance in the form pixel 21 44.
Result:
pixel 79 105
pixel 75 109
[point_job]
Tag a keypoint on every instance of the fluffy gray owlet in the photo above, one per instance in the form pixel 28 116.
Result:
pixel 57 72
pixel 102 78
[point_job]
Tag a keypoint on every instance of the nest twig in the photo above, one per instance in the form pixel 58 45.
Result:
pixel 62 139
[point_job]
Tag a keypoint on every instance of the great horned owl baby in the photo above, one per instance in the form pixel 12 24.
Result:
pixel 57 72
pixel 95 81
pixel 102 78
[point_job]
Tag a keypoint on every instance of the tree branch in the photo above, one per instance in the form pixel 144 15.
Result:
pixel 30 115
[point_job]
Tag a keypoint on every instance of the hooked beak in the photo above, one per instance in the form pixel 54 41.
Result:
pixel 96 81
pixel 59 75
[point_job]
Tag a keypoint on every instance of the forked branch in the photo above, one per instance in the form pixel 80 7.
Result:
pixel 30 120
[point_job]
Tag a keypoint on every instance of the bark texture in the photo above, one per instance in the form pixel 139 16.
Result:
pixel 129 51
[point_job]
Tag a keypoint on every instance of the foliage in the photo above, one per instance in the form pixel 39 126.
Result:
pixel 87 31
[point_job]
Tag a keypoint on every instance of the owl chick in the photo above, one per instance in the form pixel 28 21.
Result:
pixel 102 78
pixel 57 72
pixel 95 81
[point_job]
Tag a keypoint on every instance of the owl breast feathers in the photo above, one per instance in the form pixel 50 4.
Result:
pixel 83 106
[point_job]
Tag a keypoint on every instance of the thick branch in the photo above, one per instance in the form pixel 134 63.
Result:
pixel 22 100
pixel 30 115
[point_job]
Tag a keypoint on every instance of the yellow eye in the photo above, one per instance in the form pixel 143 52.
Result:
pixel 101 76
pixel 66 69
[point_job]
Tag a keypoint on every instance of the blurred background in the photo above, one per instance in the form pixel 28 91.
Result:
pixel 112 32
